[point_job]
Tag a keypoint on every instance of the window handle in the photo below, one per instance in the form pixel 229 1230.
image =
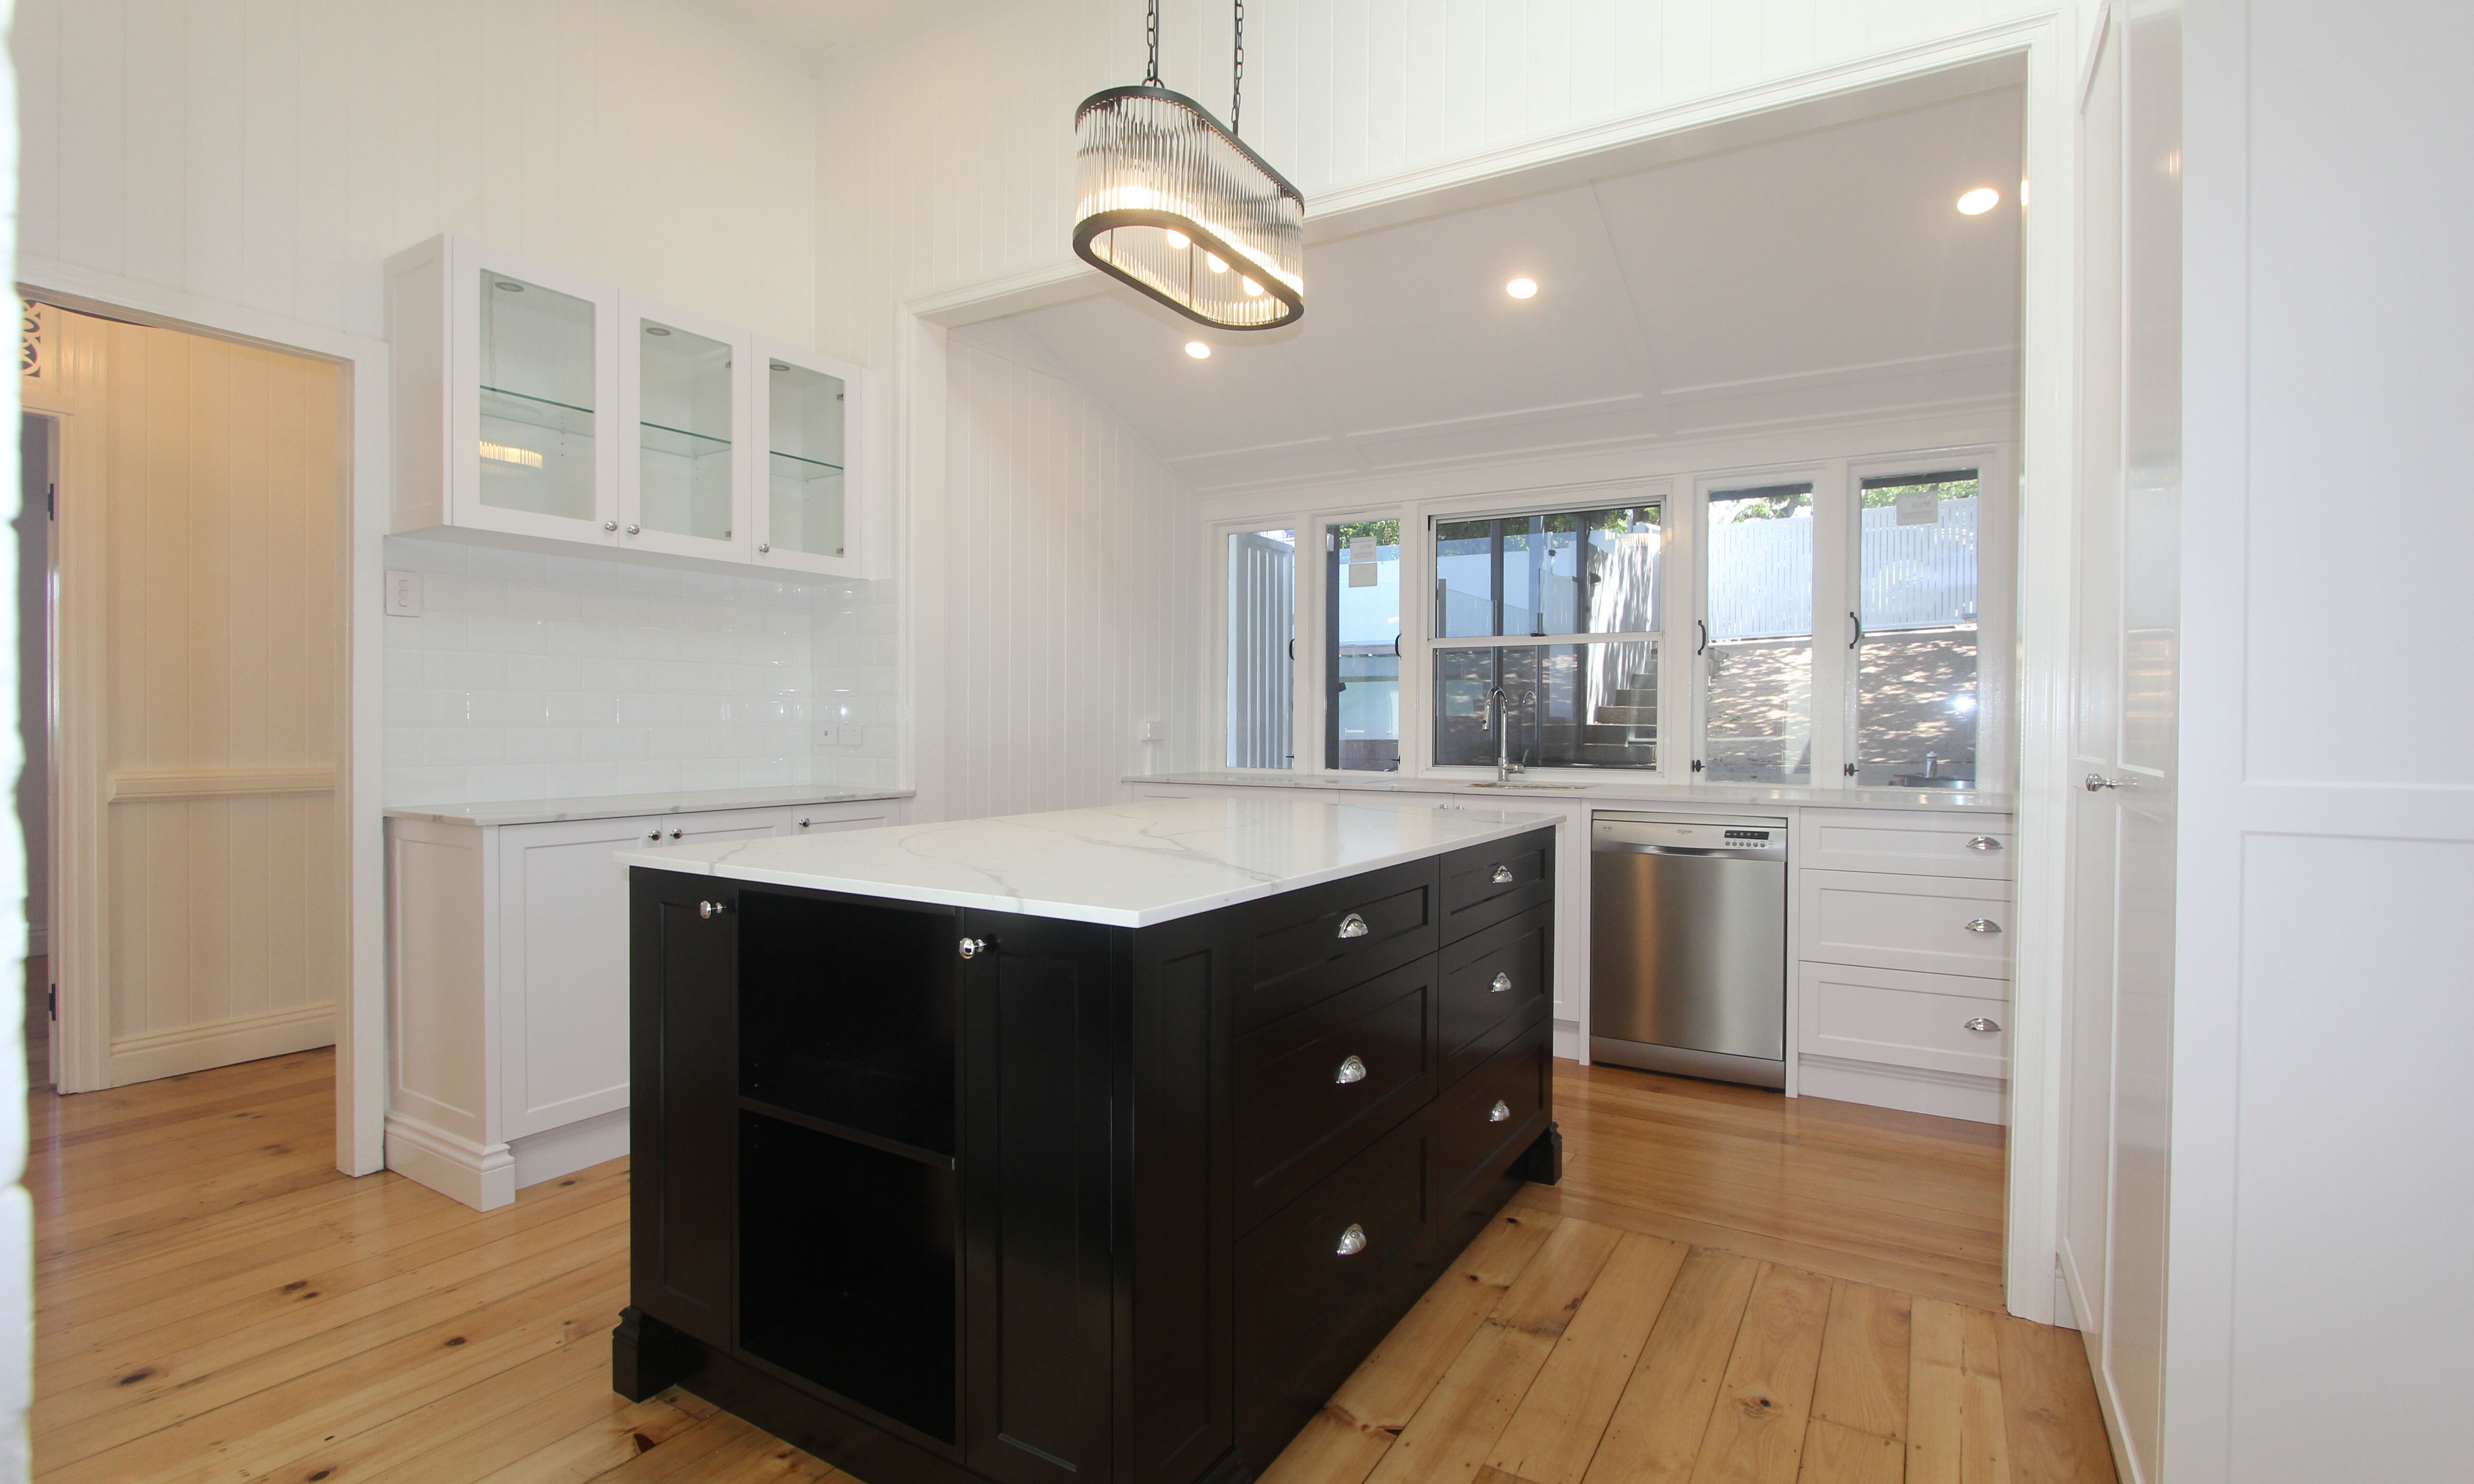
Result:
pixel 1856 627
pixel 1703 647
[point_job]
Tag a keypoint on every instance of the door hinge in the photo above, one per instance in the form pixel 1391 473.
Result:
pixel 51 501
pixel 51 1001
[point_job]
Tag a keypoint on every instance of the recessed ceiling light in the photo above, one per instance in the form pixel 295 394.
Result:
pixel 1197 349
pixel 1977 202
pixel 1522 288
pixel 510 286
pixel 655 329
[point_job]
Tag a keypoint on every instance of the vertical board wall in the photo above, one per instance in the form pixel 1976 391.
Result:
pixel 1066 607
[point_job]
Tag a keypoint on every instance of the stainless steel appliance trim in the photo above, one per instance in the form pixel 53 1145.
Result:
pixel 1717 1065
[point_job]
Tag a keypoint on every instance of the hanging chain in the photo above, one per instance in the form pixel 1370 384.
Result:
pixel 1237 87
pixel 1150 79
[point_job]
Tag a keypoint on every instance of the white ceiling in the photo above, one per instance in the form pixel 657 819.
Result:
pixel 807 30
pixel 1817 278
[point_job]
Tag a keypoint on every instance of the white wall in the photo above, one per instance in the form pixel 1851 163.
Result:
pixel 271 155
pixel 856 658
pixel 2321 1184
pixel 533 676
pixel 1065 584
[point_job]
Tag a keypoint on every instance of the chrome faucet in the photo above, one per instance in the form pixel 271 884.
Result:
pixel 1499 703
pixel 1932 760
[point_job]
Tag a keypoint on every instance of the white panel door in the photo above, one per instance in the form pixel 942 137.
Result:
pixel 2125 725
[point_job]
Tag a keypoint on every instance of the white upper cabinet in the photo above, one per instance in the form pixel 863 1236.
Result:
pixel 808 419
pixel 506 394
pixel 532 403
pixel 686 485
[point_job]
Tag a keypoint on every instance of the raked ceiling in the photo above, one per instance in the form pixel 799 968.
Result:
pixel 1821 277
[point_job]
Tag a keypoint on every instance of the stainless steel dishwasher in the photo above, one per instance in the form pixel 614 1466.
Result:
pixel 1687 945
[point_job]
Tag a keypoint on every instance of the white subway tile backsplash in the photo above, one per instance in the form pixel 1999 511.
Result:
pixel 529 675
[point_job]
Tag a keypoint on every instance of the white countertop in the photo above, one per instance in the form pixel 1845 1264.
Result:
pixel 1128 865
pixel 1731 794
pixel 621 805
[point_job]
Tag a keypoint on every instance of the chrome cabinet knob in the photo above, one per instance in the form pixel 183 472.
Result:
pixel 1502 983
pixel 634 529
pixel 764 547
pixel 973 947
pixel 1352 926
pixel 804 823
pixel 1498 1113
pixel 655 835
pixel 711 908
pixel 1351 1070
pixel 2096 781
pixel 674 835
pixel 1352 1241
pixel 1983 842
pixel 609 526
pixel 1985 925
pixel 1501 876
pixel 1979 1023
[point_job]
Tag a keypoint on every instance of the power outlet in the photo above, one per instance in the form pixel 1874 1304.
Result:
pixel 1154 731
pixel 828 735
pixel 403 595
pixel 854 733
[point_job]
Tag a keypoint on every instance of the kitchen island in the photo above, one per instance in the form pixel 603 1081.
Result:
pixel 1099 1145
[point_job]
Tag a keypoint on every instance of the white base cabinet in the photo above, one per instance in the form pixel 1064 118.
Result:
pixel 507 986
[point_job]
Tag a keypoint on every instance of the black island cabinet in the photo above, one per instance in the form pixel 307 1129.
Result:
pixel 941 1193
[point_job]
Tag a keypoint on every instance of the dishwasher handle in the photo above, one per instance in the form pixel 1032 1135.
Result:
pixel 1627 848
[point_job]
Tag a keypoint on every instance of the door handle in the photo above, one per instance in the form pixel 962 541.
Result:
pixel 1703 648
pixel 1979 1023
pixel 973 947
pixel 1985 925
pixel 2096 781
pixel 1983 842
pixel 711 908
pixel 1855 628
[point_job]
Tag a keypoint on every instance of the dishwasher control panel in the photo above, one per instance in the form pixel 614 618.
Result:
pixel 1755 838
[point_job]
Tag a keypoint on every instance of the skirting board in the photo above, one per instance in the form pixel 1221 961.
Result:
pixel 482 1177
pixel 1568 1042
pixel 1947 1094
pixel 564 1151
pixel 137 1058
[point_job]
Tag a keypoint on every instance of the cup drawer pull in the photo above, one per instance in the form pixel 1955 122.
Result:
pixel 1351 1070
pixel 1502 984
pixel 1499 1113
pixel 1352 1241
pixel 1979 1023
pixel 1352 926
pixel 1501 876
pixel 1985 925
pixel 1983 842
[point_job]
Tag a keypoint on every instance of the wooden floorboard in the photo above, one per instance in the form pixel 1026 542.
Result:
pixel 1727 1286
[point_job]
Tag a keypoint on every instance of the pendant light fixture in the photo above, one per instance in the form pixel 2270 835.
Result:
pixel 1173 204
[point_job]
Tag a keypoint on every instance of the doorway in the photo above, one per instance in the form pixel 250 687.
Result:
pixel 193 872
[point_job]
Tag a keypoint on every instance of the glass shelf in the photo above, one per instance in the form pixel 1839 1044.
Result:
pixel 793 467
pixel 558 417
pixel 658 439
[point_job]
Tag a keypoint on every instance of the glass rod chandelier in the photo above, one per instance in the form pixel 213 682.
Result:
pixel 1173 204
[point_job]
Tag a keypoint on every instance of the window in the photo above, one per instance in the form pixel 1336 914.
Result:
pixel 1362 646
pixel 1262 647
pixel 1916 659
pixel 1558 615
pixel 1757 653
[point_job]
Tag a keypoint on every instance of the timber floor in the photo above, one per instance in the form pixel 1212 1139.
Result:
pixel 1718 1292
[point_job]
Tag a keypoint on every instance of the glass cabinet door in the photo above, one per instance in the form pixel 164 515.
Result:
pixel 539 395
pixel 685 489
pixel 809 416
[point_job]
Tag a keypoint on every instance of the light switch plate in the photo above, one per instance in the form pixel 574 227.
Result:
pixel 403 595
pixel 1154 731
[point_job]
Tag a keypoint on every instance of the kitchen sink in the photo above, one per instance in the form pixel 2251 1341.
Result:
pixel 1542 787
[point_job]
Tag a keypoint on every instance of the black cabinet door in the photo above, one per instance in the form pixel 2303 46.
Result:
pixel 683 1120
pixel 1037 1072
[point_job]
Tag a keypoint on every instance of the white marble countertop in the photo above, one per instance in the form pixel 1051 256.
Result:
pixel 1730 794
pixel 621 805
pixel 1128 865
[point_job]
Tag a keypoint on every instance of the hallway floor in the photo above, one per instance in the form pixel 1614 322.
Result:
pixel 1726 1286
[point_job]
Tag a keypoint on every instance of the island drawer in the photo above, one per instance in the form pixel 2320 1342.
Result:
pixel 1488 978
pixel 1485 884
pixel 1481 1125
pixel 1303 946
pixel 1296 1268
pixel 1318 1087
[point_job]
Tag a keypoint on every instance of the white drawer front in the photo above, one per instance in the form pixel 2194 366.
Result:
pixel 1904 1019
pixel 1879 840
pixel 1931 924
